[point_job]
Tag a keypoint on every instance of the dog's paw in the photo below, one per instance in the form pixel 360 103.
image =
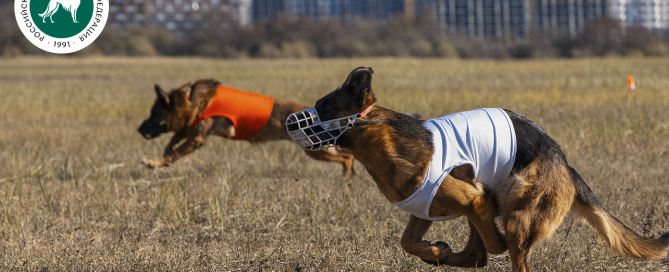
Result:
pixel 444 249
pixel 152 163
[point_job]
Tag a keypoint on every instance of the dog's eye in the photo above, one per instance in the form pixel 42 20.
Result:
pixel 328 107
pixel 162 122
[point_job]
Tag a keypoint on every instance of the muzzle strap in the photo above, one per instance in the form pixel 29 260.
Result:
pixel 364 123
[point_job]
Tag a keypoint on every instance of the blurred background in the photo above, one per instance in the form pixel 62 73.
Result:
pixel 74 196
pixel 362 28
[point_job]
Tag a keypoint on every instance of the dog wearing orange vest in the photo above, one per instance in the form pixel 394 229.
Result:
pixel 196 111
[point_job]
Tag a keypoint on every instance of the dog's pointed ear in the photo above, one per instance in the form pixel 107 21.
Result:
pixel 186 90
pixel 181 96
pixel 204 90
pixel 162 95
pixel 360 79
pixel 359 84
pixel 211 92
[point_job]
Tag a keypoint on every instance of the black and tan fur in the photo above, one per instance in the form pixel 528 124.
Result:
pixel 176 110
pixel 531 202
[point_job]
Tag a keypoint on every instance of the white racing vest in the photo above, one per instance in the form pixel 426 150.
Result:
pixel 483 138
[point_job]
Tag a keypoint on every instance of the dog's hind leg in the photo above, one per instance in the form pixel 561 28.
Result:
pixel 347 162
pixel 538 200
pixel 334 155
pixel 459 193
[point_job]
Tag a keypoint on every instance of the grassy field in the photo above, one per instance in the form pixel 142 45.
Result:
pixel 73 195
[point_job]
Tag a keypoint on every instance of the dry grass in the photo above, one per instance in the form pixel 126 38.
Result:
pixel 74 197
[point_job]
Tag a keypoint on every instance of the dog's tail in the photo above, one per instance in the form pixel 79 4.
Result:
pixel 619 237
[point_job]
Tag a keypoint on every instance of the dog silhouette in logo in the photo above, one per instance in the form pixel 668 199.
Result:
pixel 68 5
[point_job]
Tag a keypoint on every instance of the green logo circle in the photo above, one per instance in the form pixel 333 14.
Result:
pixel 56 18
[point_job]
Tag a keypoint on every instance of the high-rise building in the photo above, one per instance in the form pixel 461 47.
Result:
pixel 497 18
pixel 475 18
pixel 312 8
pixel 373 10
pixel 652 14
pixel 176 15
pixel 479 18
pixel 263 10
pixel 567 15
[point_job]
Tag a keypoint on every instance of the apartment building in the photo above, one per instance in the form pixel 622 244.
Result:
pixel 373 10
pixel 475 18
pixel 175 15
pixel 478 18
pixel 652 14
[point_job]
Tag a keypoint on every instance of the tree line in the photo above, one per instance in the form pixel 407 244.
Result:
pixel 288 36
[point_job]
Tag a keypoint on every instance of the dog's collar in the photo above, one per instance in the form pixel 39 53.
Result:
pixel 364 123
pixel 366 111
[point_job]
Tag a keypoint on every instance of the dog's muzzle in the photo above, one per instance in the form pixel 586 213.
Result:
pixel 150 130
pixel 307 130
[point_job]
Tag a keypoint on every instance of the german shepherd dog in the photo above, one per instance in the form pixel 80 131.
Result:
pixel 177 110
pixel 397 150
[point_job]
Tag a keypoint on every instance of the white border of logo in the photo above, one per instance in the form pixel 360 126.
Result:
pixel 68 45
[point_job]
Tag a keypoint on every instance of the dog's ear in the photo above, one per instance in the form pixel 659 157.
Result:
pixel 186 90
pixel 360 79
pixel 203 90
pixel 162 95
pixel 211 92
pixel 359 84
pixel 181 96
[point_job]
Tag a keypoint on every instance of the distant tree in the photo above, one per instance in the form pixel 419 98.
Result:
pixel 640 39
pixel 111 41
pixel 138 44
pixel 219 35
pixel 12 41
pixel 602 36
pixel 565 45
pixel 444 49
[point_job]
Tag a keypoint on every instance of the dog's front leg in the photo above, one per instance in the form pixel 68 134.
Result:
pixel 194 140
pixel 191 144
pixel 412 241
pixel 178 136
pixel 473 255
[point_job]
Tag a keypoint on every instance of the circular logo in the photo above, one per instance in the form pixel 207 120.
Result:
pixel 61 26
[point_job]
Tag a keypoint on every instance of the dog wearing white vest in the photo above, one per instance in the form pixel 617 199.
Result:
pixel 482 164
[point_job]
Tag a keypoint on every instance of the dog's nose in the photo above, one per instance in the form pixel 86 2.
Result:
pixel 143 129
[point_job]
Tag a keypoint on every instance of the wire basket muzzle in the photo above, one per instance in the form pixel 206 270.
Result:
pixel 306 129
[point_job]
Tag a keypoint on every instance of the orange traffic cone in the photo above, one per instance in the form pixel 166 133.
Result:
pixel 630 83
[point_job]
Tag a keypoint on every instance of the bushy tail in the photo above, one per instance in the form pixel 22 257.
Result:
pixel 619 237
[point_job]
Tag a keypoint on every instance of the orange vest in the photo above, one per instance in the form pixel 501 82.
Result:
pixel 248 112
